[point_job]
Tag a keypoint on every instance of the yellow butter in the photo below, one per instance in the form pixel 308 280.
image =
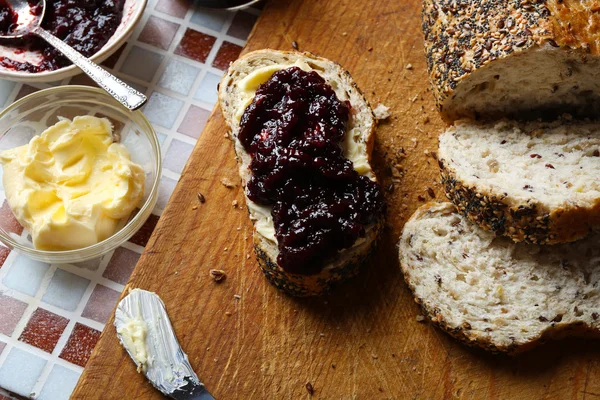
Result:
pixel 133 335
pixel 71 186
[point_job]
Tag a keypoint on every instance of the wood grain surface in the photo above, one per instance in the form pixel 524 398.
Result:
pixel 363 340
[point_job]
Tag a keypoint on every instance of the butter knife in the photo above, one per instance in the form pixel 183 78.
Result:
pixel 145 331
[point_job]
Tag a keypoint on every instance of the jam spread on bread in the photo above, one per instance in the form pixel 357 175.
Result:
pixel 294 129
pixel 85 25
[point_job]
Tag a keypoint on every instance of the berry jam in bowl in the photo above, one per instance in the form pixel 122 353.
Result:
pixel 95 28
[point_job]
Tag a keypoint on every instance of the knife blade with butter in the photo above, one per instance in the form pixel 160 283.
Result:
pixel 145 331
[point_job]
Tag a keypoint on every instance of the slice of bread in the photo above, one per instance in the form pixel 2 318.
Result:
pixel 236 92
pixel 532 181
pixel 503 58
pixel 496 294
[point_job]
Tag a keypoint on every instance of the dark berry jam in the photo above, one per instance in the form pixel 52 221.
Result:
pixel 85 25
pixel 8 18
pixel 293 129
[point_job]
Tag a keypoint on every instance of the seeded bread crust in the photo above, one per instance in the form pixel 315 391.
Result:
pixel 496 48
pixel 431 282
pixel 347 262
pixel 527 219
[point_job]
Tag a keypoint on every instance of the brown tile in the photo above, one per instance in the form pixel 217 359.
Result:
pixel 194 121
pixel 195 45
pixel 228 53
pixel 25 90
pixel 113 58
pixel 11 311
pixel 8 222
pixel 176 8
pixel 44 329
pixel 101 303
pixel 121 265
pixel 242 25
pixel 79 347
pixel 143 235
pixel 82 79
pixel 4 252
pixel 158 32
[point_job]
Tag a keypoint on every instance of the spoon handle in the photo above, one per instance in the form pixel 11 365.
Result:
pixel 118 89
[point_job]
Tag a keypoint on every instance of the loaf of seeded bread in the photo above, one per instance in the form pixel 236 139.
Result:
pixel 235 94
pixel 532 181
pixel 490 58
pixel 493 293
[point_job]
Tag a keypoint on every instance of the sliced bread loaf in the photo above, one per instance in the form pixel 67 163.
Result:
pixel 496 58
pixel 491 292
pixel 236 92
pixel 534 182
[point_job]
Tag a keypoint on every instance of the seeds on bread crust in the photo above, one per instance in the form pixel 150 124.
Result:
pixel 485 48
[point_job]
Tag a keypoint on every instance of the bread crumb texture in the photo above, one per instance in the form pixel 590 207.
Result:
pixel 491 292
pixel 535 182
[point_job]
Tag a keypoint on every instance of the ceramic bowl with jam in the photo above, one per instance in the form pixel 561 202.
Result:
pixel 95 28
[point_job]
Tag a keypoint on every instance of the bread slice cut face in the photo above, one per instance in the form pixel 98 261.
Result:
pixel 496 294
pixel 531 181
pixel 237 91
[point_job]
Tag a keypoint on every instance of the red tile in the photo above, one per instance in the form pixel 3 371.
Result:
pixel 11 311
pixel 176 8
pixel 79 347
pixel 8 222
pixel 158 32
pixel 195 45
pixel 101 303
pixel 121 265
pixel 2 397
pixel 194 121
pixel 228 53
pixel 44 329
pixel 25 90
pixel 143 235
pixel 242 25
pixel 4 252
pixel 113 58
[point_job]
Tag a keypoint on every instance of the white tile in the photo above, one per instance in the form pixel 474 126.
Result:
pixel 20 371
pixel 162 110
pixel 207 90
pixel 65 290
pixel 25 275
pixel 178 77
pixel 60 384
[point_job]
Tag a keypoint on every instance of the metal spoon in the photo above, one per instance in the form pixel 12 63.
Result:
pixel 228 4
pixel 30 23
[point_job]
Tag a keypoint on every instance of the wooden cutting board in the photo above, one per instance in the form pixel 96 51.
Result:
pixel 245 339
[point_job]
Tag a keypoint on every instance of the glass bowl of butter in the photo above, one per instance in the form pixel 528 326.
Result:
pixel 79 174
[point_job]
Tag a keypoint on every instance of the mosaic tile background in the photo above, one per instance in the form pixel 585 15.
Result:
pixel 51 315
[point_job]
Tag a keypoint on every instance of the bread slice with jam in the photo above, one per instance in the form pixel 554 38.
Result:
pixel 244 111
